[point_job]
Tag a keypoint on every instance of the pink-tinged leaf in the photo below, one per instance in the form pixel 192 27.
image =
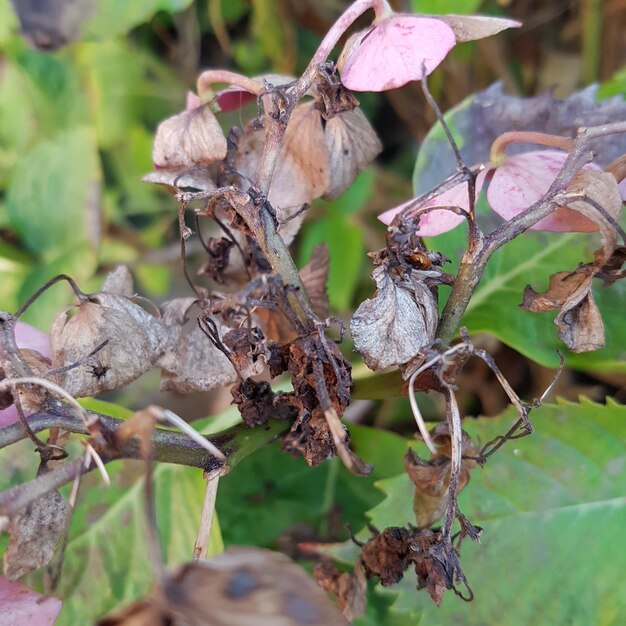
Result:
pixel 26 337
pixel 471 27
pixel 20 605
pixel 394 51
pixel 438 222
pixel 524 179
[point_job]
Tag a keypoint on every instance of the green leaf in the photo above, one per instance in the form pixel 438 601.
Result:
pixel 53 194
pixel 116 17
pixel 106 561
pixel 553 511
pixel 270 493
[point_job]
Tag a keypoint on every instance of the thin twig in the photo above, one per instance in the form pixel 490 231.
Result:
pixel 207 516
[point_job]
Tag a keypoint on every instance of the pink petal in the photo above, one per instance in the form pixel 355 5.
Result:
pixel 26 337
pixel 393 52
pixel 523 179
pixel 192 101
pixel 20 605
pixel 622 189
pixel 438 222
pixel 233 98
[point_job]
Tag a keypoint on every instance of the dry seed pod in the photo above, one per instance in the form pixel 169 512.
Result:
pixel 390 328
pixel 135 339
pixel 241 587
pixel 189 139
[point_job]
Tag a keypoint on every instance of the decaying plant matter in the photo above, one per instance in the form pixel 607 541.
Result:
pixel 262 318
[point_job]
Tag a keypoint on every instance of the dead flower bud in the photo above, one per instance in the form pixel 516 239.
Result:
pixel 134 341
pixel 189 139
pixel 239 586
pixel 391 328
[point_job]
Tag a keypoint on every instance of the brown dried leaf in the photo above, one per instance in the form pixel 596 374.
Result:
pixel 471 27
pixel 579 320
pixel 432 478
pixel 35 532
pixel 349 587
pixel 352 143
pixel 314 276
pixel 302 172
pixel 391 328
pixel 189 139
pixel 241 586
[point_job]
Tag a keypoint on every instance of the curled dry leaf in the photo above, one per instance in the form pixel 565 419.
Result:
pixel 174 179
pixel 432 478
pixel 34 533
pixel 349 587
pixel 391 328
pixel 352 143
pixel 234 97
pixel 303 169
pixel 579 320
pixel 240 587
pixel 390 553
pixel 21 605
pixel 134 339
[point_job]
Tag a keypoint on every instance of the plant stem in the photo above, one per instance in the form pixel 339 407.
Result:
pixel 169 447
pixel 475 260
pixel 591 20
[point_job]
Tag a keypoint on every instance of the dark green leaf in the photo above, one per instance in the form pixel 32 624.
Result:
pixel 553 511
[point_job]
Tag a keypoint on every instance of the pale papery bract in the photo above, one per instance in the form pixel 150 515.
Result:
pixel 438 222
pixel 396 51
pixel 21 605
pixel 524 179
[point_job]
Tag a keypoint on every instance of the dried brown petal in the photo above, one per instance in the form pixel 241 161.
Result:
pixel 134 342
pixel 432 478
pixel 34 532
pixel 391 328
pixel 349 587
pixel 182 178
pixel 314 276
pixel 189 139
pixel 240 586
pixel 302 172
pixel 195 364
pixel 352 144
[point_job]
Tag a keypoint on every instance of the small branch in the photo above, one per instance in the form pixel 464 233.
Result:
pixel 206 518
pixel 169 447
pixel 475 259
